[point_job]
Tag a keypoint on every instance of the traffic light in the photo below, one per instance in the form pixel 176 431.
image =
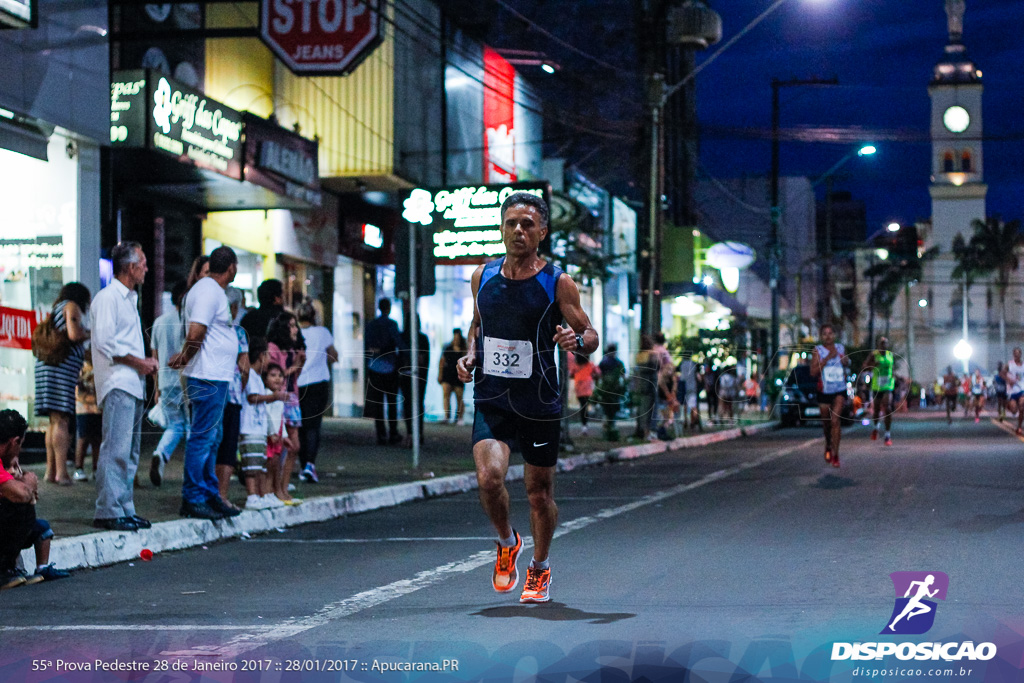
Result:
pixel 425 282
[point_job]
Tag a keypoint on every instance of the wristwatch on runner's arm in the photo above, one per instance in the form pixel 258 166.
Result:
pixel 579 342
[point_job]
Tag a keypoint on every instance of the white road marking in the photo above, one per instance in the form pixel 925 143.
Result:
pixel 258 636
pixel 139 627
pixel 396 539
pixel 382 594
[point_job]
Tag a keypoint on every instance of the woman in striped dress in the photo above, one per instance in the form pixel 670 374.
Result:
pixel 55 384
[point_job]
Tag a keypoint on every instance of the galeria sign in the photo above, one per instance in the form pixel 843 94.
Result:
pixel 321 37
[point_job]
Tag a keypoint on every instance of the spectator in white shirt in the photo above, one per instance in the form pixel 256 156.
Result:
pixel 314 387
pixel 166 339
pixel 208 360
pixel 120 366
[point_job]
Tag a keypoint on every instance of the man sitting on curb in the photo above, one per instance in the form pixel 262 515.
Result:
pixel 19 528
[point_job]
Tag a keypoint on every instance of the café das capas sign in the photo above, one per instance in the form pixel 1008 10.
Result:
pixel 466 220
pixel 151 110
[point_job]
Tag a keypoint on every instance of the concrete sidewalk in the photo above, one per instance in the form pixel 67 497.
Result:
pixel 356 475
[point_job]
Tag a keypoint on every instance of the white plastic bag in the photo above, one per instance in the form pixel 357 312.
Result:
pixel 156 415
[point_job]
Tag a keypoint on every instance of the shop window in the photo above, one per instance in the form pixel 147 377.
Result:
pixel 965 161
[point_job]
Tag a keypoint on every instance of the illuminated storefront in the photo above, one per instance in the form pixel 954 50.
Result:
pixel 39 252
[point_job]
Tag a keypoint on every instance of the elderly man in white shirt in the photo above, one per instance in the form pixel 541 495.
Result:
pixel 120 366
pixel 208 362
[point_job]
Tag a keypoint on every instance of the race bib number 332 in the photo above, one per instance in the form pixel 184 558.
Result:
pixel 508 358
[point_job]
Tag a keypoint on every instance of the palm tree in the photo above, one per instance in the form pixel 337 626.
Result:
pixel 892 277
pixel 996 244
pixel 969 266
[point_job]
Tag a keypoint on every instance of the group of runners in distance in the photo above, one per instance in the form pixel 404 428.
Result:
pixel 830 365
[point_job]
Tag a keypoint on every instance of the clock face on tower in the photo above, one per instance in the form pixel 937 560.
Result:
pixel 956 119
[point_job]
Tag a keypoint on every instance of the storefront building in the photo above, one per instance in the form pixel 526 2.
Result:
pixel 53 119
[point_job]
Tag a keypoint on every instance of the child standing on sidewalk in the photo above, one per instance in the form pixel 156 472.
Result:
pixel 278 439
pixel 255 430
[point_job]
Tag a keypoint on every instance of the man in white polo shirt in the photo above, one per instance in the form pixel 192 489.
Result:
pixel 208 360
pixel 120 366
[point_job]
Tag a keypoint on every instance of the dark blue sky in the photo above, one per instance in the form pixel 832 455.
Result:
pixel 882 52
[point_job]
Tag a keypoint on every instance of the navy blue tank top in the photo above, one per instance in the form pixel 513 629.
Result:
pixel 515 361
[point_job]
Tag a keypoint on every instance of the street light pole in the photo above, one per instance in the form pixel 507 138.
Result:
pixel 657 98
pixel 774 248
pixel 871 304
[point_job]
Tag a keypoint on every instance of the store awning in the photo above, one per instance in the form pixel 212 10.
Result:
pixel 146 173
pixel 25 136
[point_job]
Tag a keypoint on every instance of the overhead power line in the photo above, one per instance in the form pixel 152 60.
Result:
pixel 547 34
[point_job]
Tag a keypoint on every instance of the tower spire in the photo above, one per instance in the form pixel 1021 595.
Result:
pixel 955 17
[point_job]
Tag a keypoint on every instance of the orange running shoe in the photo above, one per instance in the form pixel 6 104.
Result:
pixel 505 575
pixel 828 455
pixel 835 460
pixel 874 435
pixel 888 441
pixel 537 583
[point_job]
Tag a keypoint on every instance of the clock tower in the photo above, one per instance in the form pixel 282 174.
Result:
pixel 957 166
pixel 958 197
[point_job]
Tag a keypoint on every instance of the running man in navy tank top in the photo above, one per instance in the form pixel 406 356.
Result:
pixel 525 308
pixel 829 364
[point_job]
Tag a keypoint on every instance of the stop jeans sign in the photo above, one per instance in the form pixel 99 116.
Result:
pixel 321 37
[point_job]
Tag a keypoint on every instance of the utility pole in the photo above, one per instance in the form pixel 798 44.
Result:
pixel 774 248
pixel 414 348
pixel 910 331
pixel 657 95
pixel 827 265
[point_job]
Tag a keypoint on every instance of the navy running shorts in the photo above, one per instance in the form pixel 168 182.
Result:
pixel 536 437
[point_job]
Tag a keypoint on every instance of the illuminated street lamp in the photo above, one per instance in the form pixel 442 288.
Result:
pixel 963 351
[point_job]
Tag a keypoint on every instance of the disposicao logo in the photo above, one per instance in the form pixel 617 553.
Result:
pixel 914 614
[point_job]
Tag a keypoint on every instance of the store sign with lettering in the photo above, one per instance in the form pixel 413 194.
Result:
pixel 20 255
pixel 18 13
pixel 466 220
pixel 281 161
pixel 177 120
pixel 321 37
pixel 499 118
pixel 16 328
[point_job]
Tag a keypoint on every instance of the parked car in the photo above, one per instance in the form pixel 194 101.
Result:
pixel 798 400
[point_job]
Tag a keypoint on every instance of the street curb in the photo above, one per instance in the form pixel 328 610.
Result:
pixel 110 547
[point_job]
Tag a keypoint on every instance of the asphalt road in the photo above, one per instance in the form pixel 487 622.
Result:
pixel 744 558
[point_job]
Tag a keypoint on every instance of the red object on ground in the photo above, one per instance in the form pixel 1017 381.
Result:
pixel 146 554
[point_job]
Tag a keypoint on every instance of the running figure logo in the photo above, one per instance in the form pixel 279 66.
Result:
pixel 914 612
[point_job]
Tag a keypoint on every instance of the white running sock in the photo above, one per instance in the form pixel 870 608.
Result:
pixel 534 564
pixel 510 541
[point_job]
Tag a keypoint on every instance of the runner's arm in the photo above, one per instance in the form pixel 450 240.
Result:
pixel 466 363
pixel 567 294
pixel 815 363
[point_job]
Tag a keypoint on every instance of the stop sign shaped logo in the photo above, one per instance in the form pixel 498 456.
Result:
pixel 321 37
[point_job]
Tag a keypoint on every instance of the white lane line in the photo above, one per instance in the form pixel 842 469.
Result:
pixel 396 539
pixel 139 627
pixel 259 635
pixel 376 596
